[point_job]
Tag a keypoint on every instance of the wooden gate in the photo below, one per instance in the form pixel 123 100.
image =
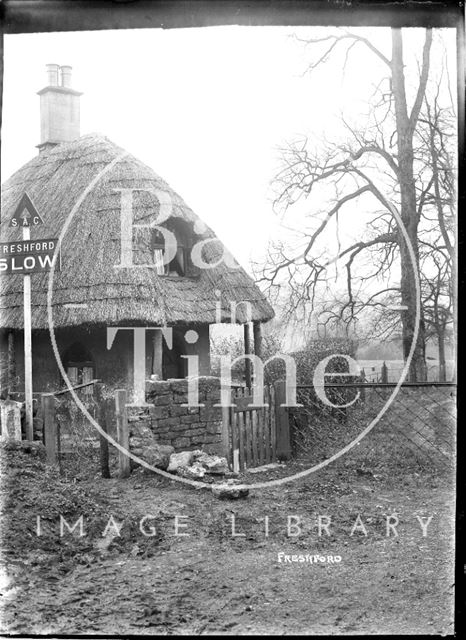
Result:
pixel 252 432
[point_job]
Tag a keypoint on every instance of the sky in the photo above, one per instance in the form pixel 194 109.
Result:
pixel 207 108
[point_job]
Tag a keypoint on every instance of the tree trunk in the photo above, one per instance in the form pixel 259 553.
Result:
pixel 405 125
pixel 442 364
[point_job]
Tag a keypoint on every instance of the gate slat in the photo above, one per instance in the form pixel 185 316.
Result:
pixel 273 425
pixel 253 427
pixel 260 436
pixel 267 412
pixel 251 431
pixel 240 425
pixel 260 415
pixel 247 439
pixel 234 439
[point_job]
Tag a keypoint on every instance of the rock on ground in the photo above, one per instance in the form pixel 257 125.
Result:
pixel 182 459
pixel 229 491
pixel 212 463
pixel 199 462
pixel 194 472
pixel 158 455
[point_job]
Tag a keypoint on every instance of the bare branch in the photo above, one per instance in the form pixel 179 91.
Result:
pixel 331 213
pixel 422 81
pixel 335 39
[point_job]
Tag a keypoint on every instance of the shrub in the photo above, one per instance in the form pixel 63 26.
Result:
pixel 306 359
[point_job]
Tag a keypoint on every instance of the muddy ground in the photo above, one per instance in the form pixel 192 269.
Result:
pixel 210 581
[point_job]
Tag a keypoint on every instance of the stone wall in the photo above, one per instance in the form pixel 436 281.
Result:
pixel 166 421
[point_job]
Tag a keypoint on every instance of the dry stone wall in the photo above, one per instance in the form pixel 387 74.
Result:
pixel 167 422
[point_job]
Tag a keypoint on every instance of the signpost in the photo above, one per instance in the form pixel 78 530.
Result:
pixel 27 346
pixel 26 215
pixel 26 257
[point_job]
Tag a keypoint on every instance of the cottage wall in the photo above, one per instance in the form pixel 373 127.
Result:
pixel 168 422
pixel 113 366
pixel 110 365
pixel 3 360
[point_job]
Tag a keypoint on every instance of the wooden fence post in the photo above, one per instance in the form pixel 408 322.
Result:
pixel 256 328
pixel 11 421
pixel 282 423
pixel 247 350
pixel 50 427
pixel 122 432
pixel 227 440
pixel 102 420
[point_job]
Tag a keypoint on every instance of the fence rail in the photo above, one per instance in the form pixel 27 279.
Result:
pixel 76 388
pixel 349 385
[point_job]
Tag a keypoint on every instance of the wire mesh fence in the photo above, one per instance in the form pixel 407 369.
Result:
pixel 416 428
pixel 372 370
pixel 78 442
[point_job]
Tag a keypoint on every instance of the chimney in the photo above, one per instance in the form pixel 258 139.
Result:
pixel 59 108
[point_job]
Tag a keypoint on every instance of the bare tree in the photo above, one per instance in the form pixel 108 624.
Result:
pixel 377 161
pixel 439 201
pixel 436 202
pixel 438 314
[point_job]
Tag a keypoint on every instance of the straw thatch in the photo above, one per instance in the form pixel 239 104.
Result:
pixel 54 180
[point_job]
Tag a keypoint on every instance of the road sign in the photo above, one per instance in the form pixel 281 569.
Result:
pixel 29 256
pixel 25 215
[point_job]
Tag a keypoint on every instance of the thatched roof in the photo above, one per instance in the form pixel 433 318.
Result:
pixel 54 180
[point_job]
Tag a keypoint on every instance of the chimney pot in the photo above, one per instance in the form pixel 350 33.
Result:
pixel 52 74
pixel 66 76
pixel 59 108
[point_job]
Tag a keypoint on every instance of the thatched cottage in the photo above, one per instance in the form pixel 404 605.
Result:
pixel 92 291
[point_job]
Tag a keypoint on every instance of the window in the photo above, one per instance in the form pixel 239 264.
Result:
pixel 79 365
pixel 178 265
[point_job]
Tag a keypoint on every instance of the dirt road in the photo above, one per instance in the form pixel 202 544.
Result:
pixel 230 581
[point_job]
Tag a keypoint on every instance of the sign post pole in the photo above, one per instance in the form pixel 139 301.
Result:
pixel 26 216
pixel 27 347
